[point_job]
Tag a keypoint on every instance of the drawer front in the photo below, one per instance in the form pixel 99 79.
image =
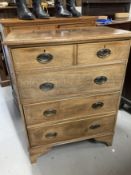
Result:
pixel 71 108
pixel 98 53
pixel 42 57
pixel 70 130
pixel 39 86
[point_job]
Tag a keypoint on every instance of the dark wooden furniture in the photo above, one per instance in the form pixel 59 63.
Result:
pixel 126 94
pixel 4 77
pixel 10 10
pixel 5 12
pixel 105 7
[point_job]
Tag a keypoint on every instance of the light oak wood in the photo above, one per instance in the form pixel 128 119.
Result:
pixel 70 108
pixel 108 139
pixel 26 58
pixel 52 23
pixel 69 130
pixel 4 78
pixel 65 36
pixel 87 53
pixel 13 24
pixel 77 83
pixel 68 83
pixel 37 151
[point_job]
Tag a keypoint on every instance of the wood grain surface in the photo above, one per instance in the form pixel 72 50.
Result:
pixel 71 129
pixel 26 58
pixel 75 95
pixel 68 55
pixel 90 34
pixel 71 108
pixel 87 53
pixel 68 83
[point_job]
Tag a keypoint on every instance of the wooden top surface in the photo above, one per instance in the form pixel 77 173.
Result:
pixel 89 34
pixel 52 20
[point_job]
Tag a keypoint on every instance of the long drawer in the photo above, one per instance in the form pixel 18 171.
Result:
pixel 42 57
pixel 70 108
pixel 38 85
pixel 71 130
pixel 103 52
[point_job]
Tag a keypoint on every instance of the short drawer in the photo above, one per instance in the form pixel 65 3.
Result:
pixel 39 86
pixel 42 57
pixel 98 53
pixel 70 130
pixel 71 108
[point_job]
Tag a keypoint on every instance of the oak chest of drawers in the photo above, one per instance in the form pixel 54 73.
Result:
pixel 68 83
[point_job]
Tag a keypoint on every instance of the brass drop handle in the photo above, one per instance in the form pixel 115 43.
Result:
pixel 95 126
pixel 97 105
pixel 51 135
pixel 100 80
pixel 44 58
pixel 50 113
pixel 103 53
pixel 47 86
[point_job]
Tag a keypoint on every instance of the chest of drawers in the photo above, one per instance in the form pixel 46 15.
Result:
pixel 68 83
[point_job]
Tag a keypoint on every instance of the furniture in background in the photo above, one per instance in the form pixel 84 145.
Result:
pixel 126 94
pixel 105 7
pixel 10 10
pixel 63 96
pixel 5 12
pixel 4 78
